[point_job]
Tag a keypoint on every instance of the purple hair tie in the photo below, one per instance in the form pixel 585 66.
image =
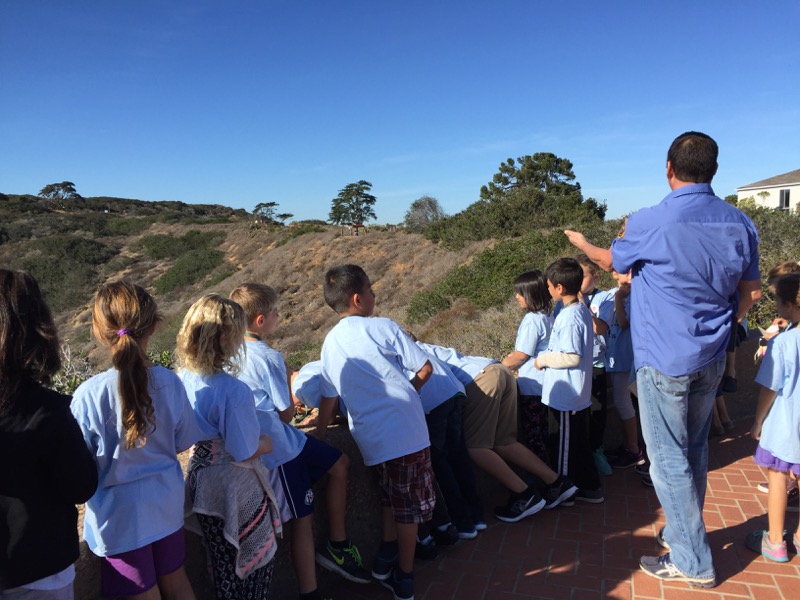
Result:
pixel 121 332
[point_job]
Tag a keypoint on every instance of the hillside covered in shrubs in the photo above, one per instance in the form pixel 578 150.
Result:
pixel 450 280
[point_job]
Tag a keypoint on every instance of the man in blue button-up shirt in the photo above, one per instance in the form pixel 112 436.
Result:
pixel 694 265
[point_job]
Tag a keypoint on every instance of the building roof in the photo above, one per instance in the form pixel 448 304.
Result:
pixel 790 178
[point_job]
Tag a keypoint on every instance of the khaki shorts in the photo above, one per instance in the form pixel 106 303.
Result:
pixel 490 410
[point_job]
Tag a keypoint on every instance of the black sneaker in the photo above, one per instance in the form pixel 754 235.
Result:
pixel 344 561
pixel 590 496
pixel 426 549
pixel 729 384
pixel 626 459
pixel 402 587
pixel 662 567
pixel 445 535
pixel 385 561
pixel 558 492
pixel 520 506
pixel 643 471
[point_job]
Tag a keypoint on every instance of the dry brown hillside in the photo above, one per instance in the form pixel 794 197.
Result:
pixel 398 263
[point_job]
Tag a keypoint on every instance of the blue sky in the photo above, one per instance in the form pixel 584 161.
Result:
pixel 239 102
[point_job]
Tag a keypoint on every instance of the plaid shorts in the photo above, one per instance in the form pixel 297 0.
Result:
pixel 406 485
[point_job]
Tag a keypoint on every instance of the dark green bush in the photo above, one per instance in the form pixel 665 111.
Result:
pixel 424 305
pixel 67 268
pixel 126 225
pixel 298 230
pixel 488 279
pixel 161 246
pixel 190 268
pixel 520 211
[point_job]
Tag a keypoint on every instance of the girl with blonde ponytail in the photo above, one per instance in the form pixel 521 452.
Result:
pixel 135 419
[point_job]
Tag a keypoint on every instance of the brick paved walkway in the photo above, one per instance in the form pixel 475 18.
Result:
pixel 592 551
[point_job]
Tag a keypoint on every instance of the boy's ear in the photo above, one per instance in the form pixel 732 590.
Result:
pixel 356 300
pixel 259 321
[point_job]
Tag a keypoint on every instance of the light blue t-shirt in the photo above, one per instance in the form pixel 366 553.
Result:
pixel 465 368
pixel 688 255
pixel 599 346
pixel 533 336
pixel 364 362
pixel 140 495
pixel 225 411
pixel 264 372
pixel 570 389
pixel 441 387
pixel 780 372
pixel 619 351
pixel 305 384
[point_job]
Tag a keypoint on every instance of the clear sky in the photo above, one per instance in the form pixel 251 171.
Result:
pixel 238 102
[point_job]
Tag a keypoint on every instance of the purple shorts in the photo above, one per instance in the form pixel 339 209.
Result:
pixel 136 571
pixel 765 458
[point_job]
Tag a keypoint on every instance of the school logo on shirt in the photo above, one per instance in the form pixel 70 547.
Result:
pixel 309 497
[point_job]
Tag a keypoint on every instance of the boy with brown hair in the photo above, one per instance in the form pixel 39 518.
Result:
pixel 297 461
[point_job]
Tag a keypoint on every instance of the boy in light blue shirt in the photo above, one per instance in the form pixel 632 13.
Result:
pixel 365 360
pixel 297 461
pixel 568 378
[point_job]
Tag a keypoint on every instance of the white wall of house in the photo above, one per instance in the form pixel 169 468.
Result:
pixel 770 196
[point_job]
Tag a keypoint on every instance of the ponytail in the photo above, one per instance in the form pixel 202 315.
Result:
pixel 122 318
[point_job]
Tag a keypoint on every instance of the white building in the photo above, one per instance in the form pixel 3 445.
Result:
pixel 781 192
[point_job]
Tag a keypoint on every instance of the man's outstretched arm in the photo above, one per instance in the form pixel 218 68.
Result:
pixel 599 256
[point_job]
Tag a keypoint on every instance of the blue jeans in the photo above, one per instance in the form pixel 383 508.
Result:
pixel 676 416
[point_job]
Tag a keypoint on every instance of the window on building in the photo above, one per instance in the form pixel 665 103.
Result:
pixel 783 203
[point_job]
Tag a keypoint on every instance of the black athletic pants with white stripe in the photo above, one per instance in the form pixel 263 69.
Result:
pixel 575 458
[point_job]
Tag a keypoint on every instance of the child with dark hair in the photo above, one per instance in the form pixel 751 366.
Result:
pixel 365 360
pixel 46 468
pixel 777 420
pixel 135 419
pixel 533 336
pixel 567 378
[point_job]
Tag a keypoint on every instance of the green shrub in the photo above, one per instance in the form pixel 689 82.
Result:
pixel 224 272
pixel 190 268
pixel 126 225
pixel 306 353
pixel 161 246
pixel 779 242
pixel 67 268
pixel 298 230
pixel 487 280
pixel 424 305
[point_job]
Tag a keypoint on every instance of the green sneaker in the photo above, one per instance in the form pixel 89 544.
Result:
pixel 344 561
